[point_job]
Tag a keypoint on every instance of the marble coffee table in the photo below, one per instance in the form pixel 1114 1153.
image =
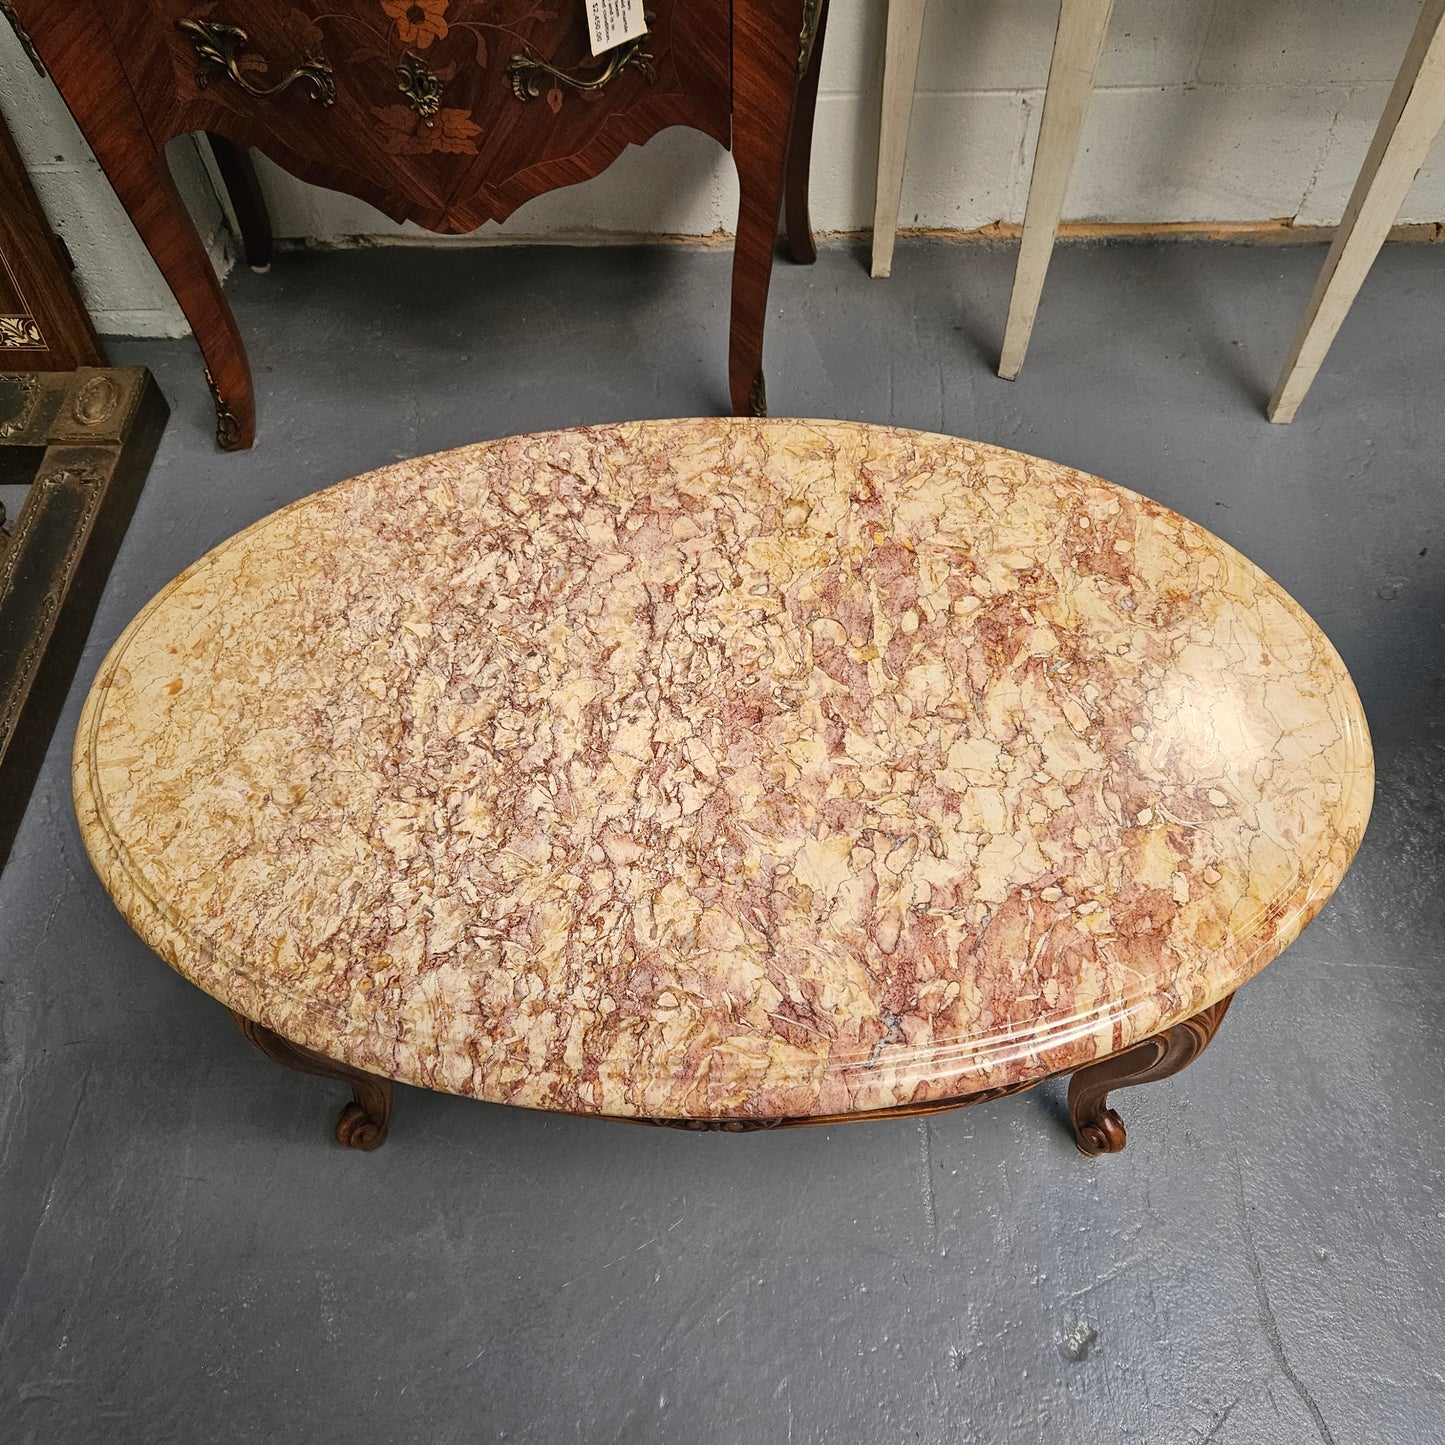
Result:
pixel 724 774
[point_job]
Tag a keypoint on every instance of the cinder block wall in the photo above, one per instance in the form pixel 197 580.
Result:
pixel 120 282
pixel 1205 111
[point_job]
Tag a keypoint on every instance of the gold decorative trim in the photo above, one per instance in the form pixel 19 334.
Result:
pixel 96 399
pixel 26 394
pixel 21 333
pixel 811 10
pixel 219 48
pixel 420 85
pixel 228 429
pixel 528 71
pixel 23 36
pixel 758 396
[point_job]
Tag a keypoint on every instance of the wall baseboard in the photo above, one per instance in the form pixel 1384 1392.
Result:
pixel 1279 232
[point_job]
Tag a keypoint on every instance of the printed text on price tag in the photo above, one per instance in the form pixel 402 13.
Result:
pixel 614 22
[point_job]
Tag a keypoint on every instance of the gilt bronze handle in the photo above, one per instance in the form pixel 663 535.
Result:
pixel 527 71
pixel 219 48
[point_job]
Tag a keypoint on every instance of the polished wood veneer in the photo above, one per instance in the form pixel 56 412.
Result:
pixel 448 113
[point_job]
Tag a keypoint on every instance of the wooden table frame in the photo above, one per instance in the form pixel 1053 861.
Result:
pixel 766 122
pixel 364 1122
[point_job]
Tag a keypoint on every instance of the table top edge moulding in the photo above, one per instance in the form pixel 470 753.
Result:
pixel 962 769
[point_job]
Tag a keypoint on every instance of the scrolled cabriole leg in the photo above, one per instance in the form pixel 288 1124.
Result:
pixel 363 1123
pixel 1098 1129
pixel 767 54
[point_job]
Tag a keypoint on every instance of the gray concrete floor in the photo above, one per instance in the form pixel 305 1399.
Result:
pixel 184 1254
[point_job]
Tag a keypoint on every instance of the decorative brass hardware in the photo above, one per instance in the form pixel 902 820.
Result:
pixel 527 71
pixel 219 49
pixel 228 429
pixel 422 89
pixel 83 490
pixel 19 395
pixel 758 396
pixel 26 43
pixel 809 33
pixel 96 399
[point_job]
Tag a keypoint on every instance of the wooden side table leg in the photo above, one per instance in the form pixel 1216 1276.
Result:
pixel 243 189
pixel 363 1123
pixel 1080 38
pixel 797 222
pixel 768 41
pixel 78 50
pixel 900 75
pixel 1413 116
pixel 1097 1128
pixel 150 198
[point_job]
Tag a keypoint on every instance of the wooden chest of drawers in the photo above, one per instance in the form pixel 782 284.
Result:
pixel 448 113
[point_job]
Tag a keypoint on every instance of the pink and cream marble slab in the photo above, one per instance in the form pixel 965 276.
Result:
pixel 722 769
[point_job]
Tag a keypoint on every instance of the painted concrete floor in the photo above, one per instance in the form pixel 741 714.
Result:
pixel 184 1254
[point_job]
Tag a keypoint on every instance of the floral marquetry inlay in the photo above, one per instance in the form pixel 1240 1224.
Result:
pixel 722 770
pixel 20 332
pixel 426 46
pixel 418 22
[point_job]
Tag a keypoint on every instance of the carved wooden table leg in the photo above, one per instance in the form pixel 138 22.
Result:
pixel 772 44
pixel 1097 1128
pixel 1412 119
pixel 363 1123
pixel 243 189
pixel 80 56
pixel 796 220
pixel 900 75
pixel 1082 27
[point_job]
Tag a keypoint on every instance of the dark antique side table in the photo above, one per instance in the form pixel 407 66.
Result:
pixel 448 113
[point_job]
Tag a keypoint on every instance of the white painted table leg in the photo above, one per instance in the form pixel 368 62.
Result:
pixel 1082 25
pixel 1412 118
pixel 900 72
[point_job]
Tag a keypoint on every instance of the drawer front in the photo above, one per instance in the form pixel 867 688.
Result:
pixel 449 112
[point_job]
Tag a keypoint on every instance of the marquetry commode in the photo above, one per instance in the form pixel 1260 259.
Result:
pixel 448 113
pixel 724 774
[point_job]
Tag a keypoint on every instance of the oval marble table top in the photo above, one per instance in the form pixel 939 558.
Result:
pixel 715 769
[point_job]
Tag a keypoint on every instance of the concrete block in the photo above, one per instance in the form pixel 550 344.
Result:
pixel 680 182
pixel 120 284
pixel 1344 152
pixel 986 45
pixel 1321 42
pixel 44 132
pixel 112 268
pixel 853 52
pixel 962 158
pixel 1426 201
pixel 1007 44
pixel 1153 43
pixel 1181 154
pixel 845 163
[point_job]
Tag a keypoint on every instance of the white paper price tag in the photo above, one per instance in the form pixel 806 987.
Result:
pixel 614 22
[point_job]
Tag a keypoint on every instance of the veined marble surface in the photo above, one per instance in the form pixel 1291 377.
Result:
pixel 722 768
